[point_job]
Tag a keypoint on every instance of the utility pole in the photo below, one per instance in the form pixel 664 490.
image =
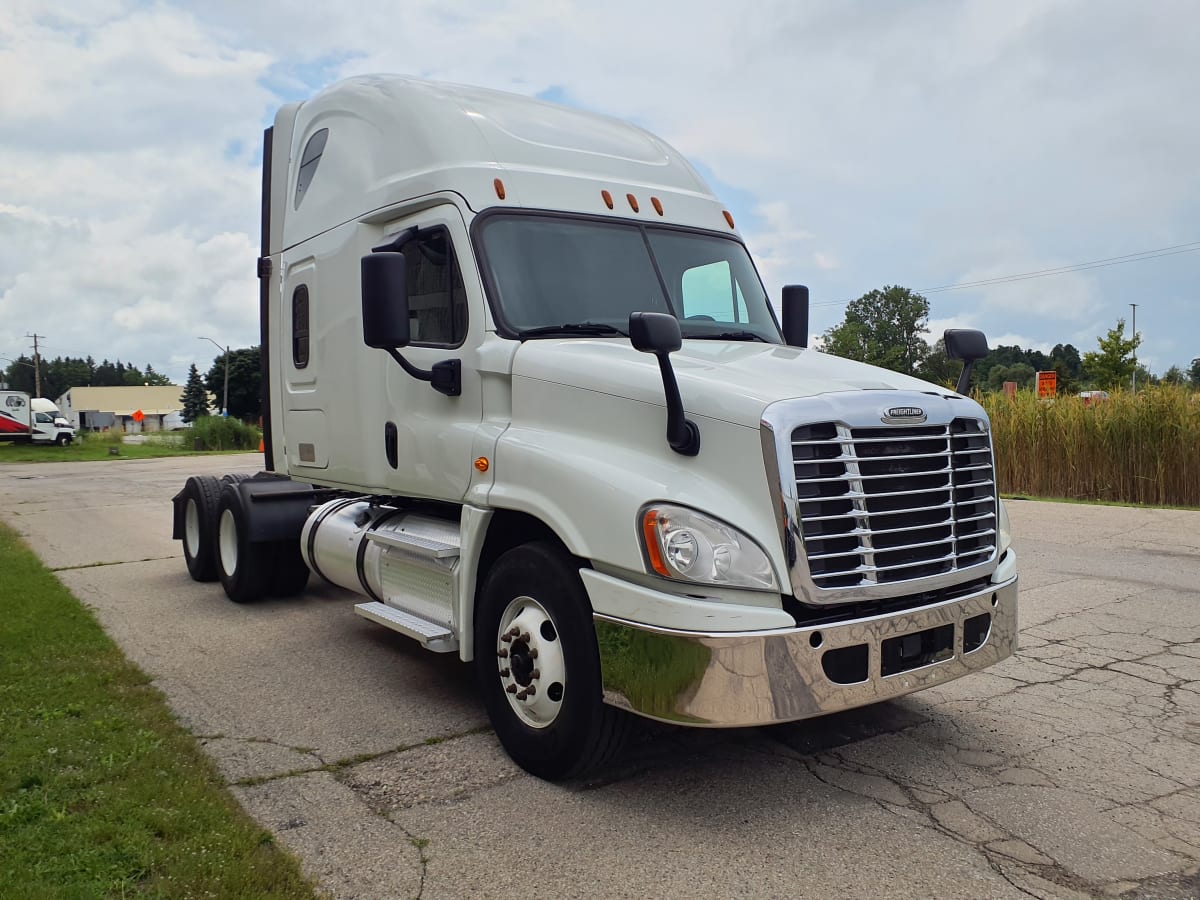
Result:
pixel 1135 306
pixel 37 365
pixel 225 407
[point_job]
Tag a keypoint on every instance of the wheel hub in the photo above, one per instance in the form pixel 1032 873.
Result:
pixel 530 662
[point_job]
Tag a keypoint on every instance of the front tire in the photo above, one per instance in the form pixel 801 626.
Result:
pixel 62 440
pixel 539 667
pixel 243 567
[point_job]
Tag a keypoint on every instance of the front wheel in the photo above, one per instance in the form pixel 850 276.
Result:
pixel 539 667
pixel 62 440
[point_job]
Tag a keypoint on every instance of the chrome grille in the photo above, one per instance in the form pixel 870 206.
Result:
pixel 897 503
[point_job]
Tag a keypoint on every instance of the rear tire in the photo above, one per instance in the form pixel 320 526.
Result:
pixel 561 728
pixel 201 494
pixel 244 568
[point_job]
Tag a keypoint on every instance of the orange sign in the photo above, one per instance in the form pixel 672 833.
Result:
pixel 138 415
pixel 1047 384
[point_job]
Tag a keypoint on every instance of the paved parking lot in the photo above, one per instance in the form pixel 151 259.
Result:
pixel 1070 770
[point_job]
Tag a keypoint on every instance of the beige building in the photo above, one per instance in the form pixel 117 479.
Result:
pixel 113 408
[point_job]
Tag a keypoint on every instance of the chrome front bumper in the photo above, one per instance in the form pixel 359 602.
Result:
pixel 758 678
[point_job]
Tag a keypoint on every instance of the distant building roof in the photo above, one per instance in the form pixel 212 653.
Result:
pixel 153 400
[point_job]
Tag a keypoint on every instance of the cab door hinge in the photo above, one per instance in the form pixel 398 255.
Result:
pixel 264 267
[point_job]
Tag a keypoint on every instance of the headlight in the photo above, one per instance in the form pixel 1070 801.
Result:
pixel 1004 528
pixel 686 545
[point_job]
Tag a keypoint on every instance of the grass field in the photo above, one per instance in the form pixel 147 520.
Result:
pixel 91 447
pixel 1142 448
pixel 102 793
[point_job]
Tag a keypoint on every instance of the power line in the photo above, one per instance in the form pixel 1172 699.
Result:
pixel 1173 250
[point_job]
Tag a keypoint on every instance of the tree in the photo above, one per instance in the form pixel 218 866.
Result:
pixel 885 328
pixel 1194 373
pixel 245 381
pixel 939 368
pixel 195 397
pixel 1112 365
pixel 1022 373
pixel 1174 375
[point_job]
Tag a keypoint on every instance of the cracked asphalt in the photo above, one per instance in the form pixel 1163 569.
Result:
pixel 1070 770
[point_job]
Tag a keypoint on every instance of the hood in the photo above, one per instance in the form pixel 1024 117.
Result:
pixel 730 381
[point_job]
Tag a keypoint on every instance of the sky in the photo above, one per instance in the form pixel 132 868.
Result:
pixel 858 143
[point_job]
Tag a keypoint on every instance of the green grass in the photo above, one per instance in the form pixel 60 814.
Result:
pixel 102 792
pixel 92 447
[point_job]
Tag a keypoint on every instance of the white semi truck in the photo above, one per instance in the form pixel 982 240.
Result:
pixel 524 392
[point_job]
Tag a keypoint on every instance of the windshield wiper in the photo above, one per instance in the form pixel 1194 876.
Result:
pixel 587 328
pixel 729 336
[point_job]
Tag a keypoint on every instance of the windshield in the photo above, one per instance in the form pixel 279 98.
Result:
pixel 546 272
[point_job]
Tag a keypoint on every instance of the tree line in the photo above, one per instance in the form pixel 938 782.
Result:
pixel 65 372
pixel 890 327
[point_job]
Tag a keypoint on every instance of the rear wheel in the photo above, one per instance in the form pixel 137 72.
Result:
pixel 201 496
pixel 243 567
pixel 539 667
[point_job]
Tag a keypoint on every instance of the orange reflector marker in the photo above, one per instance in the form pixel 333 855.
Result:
pixel 650 530
pixel 729 219
pixel 482 464
pixel 657 204
pixel 607 199
pixel 632 202
pixel 499 186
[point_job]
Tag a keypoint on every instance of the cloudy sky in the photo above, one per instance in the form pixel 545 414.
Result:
pixel 858 142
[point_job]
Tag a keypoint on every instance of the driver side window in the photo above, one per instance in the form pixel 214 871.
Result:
pixel 711 292
pixel 437 300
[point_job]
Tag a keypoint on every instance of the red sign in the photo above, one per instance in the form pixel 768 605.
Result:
pixel 138 415
pixel 1047 384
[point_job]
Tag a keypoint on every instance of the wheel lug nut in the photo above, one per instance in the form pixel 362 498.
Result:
pixel 502 653
pixel 533 652
pixel 536 673
pixel 506 637
pixel 512 689
pixel 504 673
pixel 531 690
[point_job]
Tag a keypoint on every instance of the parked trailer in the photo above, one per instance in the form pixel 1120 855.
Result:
pixel 561 433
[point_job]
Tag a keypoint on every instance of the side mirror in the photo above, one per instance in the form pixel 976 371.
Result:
pixel 658 333
pixel 795 315
pixel 385 301
pixel 968 345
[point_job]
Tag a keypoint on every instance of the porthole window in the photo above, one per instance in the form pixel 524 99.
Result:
pixel 308 163
pixel 300 326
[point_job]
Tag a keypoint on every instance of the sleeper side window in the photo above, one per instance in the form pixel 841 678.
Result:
pixel 300 326
pixel 309 160
pixel 437 300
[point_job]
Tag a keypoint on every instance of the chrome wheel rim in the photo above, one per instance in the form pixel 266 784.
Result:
pixel 530 662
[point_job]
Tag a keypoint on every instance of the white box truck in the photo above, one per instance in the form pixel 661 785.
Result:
pixel 524 392
pixel 25 419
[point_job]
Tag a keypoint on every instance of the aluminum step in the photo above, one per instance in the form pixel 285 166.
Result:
pixel 432 636
pixel 415 544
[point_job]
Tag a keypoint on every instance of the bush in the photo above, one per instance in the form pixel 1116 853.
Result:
pixel 219 433
pixel 1132 448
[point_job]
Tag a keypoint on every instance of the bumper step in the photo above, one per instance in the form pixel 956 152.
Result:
pixel 432 635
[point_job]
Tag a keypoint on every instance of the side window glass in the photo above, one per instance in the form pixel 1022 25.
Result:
pixel 437 301
pixel 309 161
pixel 44 418
pixel 711 292
pixel 300 326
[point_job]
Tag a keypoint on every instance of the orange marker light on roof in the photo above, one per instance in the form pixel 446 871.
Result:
pixel 499 186
pixel 657 204
pixel 632 202
pixel 729 219
pixel 607 199
pixel 482 464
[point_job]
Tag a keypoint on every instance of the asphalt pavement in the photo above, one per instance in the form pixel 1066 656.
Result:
pixel 1072 769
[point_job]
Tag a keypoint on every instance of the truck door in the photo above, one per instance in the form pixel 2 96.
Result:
pixel 426 437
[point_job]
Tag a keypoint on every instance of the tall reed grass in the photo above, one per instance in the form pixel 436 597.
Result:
pixel 1134 448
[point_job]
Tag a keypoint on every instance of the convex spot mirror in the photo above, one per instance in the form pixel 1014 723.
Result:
pixel 385 301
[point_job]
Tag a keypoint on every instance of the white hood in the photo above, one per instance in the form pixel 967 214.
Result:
pixel 730 381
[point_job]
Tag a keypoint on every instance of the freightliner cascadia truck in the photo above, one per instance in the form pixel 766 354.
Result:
pixel 525 394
